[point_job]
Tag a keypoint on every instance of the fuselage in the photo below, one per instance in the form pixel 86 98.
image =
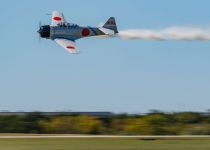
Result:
pixel 68 31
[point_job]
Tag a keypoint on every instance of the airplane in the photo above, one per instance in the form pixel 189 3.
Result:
pixel 65 34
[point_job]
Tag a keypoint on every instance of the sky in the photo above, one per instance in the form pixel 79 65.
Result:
pixel 132 76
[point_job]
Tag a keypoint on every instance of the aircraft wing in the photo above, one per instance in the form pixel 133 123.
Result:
pixel 57 17
pixel 69 45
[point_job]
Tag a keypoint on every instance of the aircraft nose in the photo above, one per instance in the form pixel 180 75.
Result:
pixel 44 31
pixel 39 31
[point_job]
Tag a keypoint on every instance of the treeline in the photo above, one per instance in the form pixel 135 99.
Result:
pixel 186 123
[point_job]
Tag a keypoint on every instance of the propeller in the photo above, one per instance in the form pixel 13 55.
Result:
pixel 40 25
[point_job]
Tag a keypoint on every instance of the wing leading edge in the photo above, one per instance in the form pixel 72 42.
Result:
pixel 69 45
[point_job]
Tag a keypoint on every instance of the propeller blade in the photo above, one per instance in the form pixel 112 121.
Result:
pixel 40 24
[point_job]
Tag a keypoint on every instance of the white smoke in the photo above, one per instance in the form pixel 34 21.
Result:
pixel 171 33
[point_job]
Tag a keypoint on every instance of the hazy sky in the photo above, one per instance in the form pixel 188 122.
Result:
pixel 109 74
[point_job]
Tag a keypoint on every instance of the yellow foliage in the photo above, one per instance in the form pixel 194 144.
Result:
pixel 72 124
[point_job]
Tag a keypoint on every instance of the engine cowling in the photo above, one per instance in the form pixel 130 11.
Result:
pixel 44 31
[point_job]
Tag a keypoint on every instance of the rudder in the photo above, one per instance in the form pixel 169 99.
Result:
pixel 111 24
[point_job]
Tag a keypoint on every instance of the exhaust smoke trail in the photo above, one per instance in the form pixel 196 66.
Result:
pixel 171 33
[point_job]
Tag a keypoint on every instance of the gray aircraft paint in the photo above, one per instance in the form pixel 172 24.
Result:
pixel 73 32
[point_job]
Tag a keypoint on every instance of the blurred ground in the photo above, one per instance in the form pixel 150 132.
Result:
pixel 80 136
pixel 102 144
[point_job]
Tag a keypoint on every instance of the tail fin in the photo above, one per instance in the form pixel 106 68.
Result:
pixel 111 24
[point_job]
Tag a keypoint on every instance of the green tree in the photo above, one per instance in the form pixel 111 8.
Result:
pixel 12 124
pixel 187 117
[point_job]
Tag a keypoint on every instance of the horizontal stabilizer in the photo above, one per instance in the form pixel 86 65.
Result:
pixel 107 31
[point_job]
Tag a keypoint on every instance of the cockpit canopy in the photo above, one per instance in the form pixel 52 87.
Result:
pixel 66 24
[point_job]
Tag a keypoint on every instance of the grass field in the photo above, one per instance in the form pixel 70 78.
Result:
pixel 102 144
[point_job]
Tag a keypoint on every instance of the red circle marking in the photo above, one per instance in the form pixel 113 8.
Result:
pixel 57 18
pixel 70 47
pixel 85 32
